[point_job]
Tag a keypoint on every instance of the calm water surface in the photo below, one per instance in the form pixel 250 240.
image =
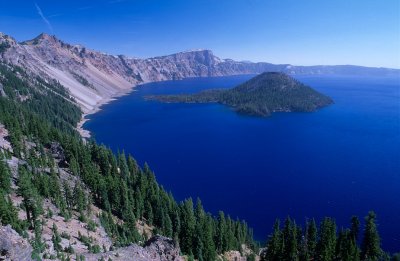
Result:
pixel 339 161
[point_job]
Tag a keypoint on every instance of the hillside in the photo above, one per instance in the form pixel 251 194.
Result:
pixel 260 96
pixel 72 199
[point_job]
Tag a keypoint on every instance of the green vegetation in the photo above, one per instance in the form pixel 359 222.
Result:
pixel 294 242
pixel 82 80
pixel 260 96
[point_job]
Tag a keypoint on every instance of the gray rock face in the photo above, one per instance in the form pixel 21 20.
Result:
pixel 13 246
pixel 158 248
pixel 163 248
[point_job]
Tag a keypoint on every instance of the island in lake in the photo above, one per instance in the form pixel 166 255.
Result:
pixel 260 96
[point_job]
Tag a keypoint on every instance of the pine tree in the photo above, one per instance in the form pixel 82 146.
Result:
pixel 327 240
pixel 8 213
pixel 355 227
pixel 312 234
pixel 79 198
pixel 290 241
pixel 208 242
pixel 123 166
pixel 371 245
pixel 5 175
pixel 220 239
pixel 31 200
pixel 274 244
pixel 188 224
pixel 168 230
pixel 56 239
pixel 346 249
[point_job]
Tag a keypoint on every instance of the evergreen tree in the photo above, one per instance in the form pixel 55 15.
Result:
pixel 220 237
pixel 31 200
pixel 208 242
pixel 188 223
pixel 327 240
pixel 5 175
pixel 274 244
pixel 311 237
pixel 8 213
pixel 289 232
pixel 56 239
pixel 346 249
pixel 371 245
pixel 79 198
pixel 355 227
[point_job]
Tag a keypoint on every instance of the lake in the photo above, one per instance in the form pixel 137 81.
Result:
pixel 340 161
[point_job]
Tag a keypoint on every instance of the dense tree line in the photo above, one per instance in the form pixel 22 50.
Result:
pixel 294 242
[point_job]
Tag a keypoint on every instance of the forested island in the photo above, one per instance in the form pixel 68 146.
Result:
pixel 260 96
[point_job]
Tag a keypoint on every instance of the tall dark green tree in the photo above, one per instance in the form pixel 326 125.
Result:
pixel 188 223
pixel 274 244
pixel 289 233
pixel 311 237
pixel 209 252
pixel 355 227
pixel 371 244
pixel 327 240
pixel 5 175
pixel 32 202
pixel 220 236
pixel 56 238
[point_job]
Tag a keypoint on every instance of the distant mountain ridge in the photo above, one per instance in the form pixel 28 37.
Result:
pixel 93 77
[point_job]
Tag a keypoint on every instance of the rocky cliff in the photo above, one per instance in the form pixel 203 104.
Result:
pixel 13 246
pixel 93 77
pixel 158 248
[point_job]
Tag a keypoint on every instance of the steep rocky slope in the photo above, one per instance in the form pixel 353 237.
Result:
pixel 94 77
pixel 159 248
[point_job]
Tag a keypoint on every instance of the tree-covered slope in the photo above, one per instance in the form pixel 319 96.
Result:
pixel 262 95
pixel 39 116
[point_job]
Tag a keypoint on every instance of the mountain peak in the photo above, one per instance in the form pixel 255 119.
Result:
pixel 43 37
pixel 198 51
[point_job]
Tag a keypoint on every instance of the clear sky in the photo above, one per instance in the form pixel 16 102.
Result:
pixel 300 32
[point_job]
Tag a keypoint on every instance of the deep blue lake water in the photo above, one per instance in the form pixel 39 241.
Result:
pixel 341 161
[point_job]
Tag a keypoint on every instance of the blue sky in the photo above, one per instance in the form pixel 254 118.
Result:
pixel 308 32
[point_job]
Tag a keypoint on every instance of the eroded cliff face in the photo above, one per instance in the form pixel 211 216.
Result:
pixel 93 77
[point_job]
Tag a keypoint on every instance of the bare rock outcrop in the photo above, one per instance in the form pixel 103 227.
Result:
pixel 13 246
pixel 158 248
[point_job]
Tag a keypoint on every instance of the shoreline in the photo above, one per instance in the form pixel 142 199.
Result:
pixel 85 134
